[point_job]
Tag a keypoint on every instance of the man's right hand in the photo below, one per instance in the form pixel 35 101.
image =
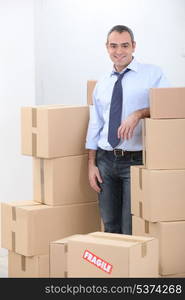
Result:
pixel 94 178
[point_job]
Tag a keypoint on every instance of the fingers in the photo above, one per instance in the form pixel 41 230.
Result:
pixel 99 177
pixel 95 179
pixel 94 185
pixel 125 132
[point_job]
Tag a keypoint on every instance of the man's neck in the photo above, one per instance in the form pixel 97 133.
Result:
pixel 119 70
pixel 122 68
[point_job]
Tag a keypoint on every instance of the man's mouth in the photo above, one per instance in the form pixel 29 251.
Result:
pixel 119 57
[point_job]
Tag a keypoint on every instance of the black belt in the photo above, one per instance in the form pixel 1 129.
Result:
pixel 121 152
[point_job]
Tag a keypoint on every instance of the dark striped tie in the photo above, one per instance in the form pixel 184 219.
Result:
pixel 116 110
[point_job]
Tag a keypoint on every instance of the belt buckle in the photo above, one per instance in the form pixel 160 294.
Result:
pixel 118 152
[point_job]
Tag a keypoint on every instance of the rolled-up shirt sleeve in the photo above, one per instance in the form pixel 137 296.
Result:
pixel 95 125
pixel 159 79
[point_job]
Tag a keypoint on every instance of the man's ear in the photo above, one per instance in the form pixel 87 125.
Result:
pixel 134 45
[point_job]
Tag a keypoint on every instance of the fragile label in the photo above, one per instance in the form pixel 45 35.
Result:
pixel 97 261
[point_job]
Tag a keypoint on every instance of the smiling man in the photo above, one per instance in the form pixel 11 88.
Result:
pixel 114 137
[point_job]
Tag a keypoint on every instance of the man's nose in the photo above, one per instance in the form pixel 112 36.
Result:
pixel 119 49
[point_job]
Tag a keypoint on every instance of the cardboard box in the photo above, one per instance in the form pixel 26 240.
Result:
pixel 171 242
pixel 166 103
pixel 54 131
pixel 163 143
pixel 27 266
pixel 112 255
pixel 132 252
pixel 62 180
pixel 28 229
pixel 158 195
pixel 90 88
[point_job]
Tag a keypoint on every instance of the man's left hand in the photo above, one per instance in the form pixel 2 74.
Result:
pixel 126 129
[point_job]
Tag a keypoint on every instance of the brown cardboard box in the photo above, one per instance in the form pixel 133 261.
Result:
pixel 158 195
pixel 54 131
pixel 28 229
pixel 163 143
pixel 62 180
pixel 166 103
pixel 27 266
pixel 132 252
pixel 90 87
pixel 112 255
pixel 171 243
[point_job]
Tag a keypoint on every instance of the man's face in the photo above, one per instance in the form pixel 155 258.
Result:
pixel 120 49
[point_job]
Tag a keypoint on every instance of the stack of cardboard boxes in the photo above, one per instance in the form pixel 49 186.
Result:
pixel 59 233
pixel 64 204
pixel 158 187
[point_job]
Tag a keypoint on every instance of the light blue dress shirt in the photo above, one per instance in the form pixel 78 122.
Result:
pixel 136 84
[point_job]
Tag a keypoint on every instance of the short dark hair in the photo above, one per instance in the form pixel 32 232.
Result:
pixel 120 29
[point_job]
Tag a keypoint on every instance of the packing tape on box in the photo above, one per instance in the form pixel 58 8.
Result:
pixel 14 213
pixel 144 141
pixel 34 134
pixel 140 179
pixel 140 209
pixel 146 226
pixel 34 117
pixel 42 180
pixel 140 186
pixel 65 274
pixel 23 263
pixel 65 248
pixel 13 232
pixel 143 249
pixel 13 241
pixel 65 251
pixel 34 144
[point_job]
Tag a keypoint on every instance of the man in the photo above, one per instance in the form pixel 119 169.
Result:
pixel 109 162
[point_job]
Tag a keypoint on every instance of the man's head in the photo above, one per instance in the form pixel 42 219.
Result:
pixel 120 46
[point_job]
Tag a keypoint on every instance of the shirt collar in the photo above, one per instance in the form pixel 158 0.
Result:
pixel 132 66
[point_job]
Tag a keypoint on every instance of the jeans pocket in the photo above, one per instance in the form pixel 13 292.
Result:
pixel 137 159
pixel 99 155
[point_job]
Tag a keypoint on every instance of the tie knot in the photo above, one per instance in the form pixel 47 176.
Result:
pixel 117 74
pixel 120 75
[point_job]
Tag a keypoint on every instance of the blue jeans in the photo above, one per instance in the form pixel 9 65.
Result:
pixel 114 197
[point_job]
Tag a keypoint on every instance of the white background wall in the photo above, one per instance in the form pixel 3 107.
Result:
pixel 17 88
pixel 55 46
pixel 71 35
